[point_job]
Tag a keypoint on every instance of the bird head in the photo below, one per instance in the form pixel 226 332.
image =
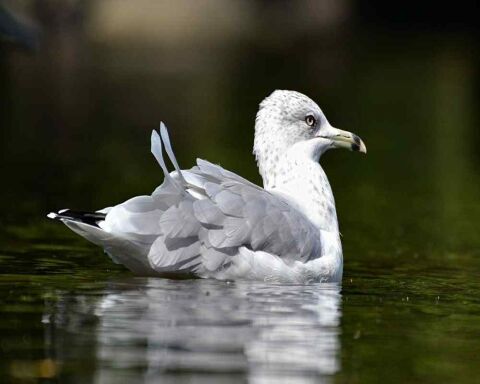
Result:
pixel 288 118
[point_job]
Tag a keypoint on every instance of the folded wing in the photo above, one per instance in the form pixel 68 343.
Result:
pixel 198 219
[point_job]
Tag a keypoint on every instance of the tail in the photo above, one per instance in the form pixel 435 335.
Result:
pixel 121 250
pixel 116 234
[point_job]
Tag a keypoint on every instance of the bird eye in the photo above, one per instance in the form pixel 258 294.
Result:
pixel 310 120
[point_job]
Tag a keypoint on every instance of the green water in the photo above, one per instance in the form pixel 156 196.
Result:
pixel 69 314
pixel 75 126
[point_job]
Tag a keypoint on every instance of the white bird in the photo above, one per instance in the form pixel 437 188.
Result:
pixel 209 222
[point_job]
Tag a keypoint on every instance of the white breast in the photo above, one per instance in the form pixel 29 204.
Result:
pixel 296 175
pixel 304 184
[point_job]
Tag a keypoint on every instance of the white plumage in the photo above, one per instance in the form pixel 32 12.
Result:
pixel 209 222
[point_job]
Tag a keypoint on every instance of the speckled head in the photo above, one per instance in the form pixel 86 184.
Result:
pixel 287 119
pixel 282 119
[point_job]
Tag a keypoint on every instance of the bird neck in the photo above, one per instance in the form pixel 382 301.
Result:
pixel 298 177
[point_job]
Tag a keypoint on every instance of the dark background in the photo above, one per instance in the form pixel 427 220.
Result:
pixel 82 84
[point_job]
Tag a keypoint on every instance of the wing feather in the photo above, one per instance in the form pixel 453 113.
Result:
pixel 199 218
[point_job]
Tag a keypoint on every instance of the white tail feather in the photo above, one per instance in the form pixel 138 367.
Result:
pixel 169 150
pixel 156 149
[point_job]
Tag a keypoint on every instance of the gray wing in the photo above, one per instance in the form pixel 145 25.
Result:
pixel 199 218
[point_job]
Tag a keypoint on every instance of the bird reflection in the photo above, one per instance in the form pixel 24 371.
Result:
pixel 146 329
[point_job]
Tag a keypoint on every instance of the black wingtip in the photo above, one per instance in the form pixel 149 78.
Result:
pixel 91 218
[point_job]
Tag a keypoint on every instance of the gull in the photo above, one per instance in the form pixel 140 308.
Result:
pixel 209 222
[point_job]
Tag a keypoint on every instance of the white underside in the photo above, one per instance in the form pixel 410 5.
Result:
pixel 262 266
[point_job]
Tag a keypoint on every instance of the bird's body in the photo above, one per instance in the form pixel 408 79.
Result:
pixel 209 222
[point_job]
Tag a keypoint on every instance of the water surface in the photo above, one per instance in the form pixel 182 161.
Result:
pixel 69 314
